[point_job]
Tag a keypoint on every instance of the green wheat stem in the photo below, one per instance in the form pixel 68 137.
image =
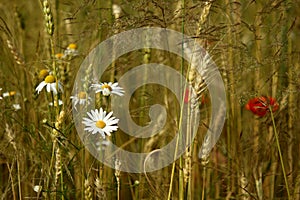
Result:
pixel 55 75
pixel 280 154
pixel 173 169
pixel 181 177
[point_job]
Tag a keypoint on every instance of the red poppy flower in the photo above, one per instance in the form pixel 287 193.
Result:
pixel 260 105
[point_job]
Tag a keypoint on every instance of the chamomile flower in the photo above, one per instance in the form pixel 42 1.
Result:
pixel 37 188
pixel 9 94
pixel 99 122
pixel 71 50
pixel 59 56
pixel 16 107
pixel 50 84
pixel 108 88
pixel 81 98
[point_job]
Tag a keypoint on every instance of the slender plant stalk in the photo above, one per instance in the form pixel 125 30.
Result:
pixel 270 181
pixel 12 181
pixel 203 183
pixel 232 99
pixel 62 185
pixel 291 101
pixel 256 125
pixel 181 175
pixel 280 154
pixel 19 179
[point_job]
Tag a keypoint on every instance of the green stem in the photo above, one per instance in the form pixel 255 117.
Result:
pixel 62 185
pixel 203 183
pixel 50 167
pixel 280 154
pixel 181 177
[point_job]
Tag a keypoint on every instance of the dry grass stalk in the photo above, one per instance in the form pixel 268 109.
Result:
pixel 57 165
pixel 100 191
pixel 58 123
pixel 187 169
pixel 244 184
pixel 88 195
pixel 10 137
pixel 203 16
pixel 118 175
pixel 16 54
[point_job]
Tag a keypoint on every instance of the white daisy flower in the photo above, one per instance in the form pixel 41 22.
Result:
pixel 16 106
pixel 81 98
pixel 50 84
pixel 37 188
pixel 9 94
pixel 99 122
pixel 71 51
pixel 108 88
pixel 5 94
pixel 0 90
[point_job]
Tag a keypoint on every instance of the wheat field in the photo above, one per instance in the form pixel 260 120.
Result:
pixel 255 46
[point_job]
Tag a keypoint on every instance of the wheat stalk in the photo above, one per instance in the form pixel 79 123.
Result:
pixel 87 190
pixel 100 191
pixel 48 17
pixel 16 54
pixel 118 175
pixel 57 165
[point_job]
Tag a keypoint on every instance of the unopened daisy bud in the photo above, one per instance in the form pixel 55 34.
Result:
pixel 45 121
pixel 136 182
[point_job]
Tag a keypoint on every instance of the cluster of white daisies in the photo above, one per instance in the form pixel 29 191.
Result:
pixel 15 106
pixel 98 121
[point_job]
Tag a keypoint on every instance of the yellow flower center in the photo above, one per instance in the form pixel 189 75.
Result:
pixel 82 95
pixel 106 86
pixel 72 46
pixel 49 79
pixel 43 73
pixel 59 55
pixel 100 124
pixel 12 93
